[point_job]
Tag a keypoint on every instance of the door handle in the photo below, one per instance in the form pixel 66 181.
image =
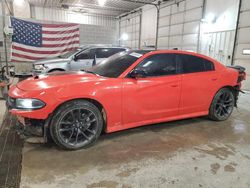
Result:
pixel 174 85
pixel 214 79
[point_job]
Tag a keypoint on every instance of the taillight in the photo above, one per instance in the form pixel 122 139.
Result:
pixel 241 77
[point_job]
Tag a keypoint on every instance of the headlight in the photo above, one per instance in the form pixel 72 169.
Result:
pixel 29 104
pixel 40 67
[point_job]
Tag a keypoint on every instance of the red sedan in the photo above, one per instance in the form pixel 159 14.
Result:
pixel 127 90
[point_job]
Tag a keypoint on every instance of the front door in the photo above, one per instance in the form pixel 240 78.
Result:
pixel 156 95
pixel 83 60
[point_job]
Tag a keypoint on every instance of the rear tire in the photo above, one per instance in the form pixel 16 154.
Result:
pixel 76 124
pixel 222 105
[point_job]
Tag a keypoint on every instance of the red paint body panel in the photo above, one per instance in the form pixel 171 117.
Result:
pixel 129 102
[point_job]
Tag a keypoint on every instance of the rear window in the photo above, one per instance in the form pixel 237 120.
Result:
pixel 191 64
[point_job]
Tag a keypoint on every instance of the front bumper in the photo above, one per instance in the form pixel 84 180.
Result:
pixel 30 127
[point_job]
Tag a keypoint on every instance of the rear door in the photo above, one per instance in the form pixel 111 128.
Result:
pixel 199 83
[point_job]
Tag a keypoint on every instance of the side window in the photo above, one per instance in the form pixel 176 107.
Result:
pixel 86 54
pixel 116 50
pixel 83 55
pixel 209 66
pixel 103 52
pixel 191 64
pixel 159 65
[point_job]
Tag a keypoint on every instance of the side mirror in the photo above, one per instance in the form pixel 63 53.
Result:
pixel 137 73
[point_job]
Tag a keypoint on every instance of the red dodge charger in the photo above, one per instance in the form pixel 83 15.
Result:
pixel 129 89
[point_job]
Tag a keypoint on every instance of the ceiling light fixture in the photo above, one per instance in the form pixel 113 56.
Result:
pixel 102 2
pixel 210 18
pixel 19 2
pixel 124 36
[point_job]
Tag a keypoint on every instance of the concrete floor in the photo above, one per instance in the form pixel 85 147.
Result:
pixel 188 153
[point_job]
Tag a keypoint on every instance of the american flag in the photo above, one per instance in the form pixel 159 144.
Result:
pixel 33 41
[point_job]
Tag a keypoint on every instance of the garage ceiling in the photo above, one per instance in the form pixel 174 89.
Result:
pixel 111 7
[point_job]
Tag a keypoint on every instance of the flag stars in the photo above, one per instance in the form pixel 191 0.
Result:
pixel 27 33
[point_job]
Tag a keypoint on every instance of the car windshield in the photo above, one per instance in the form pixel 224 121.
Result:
pixel 116 64
pixel 69 54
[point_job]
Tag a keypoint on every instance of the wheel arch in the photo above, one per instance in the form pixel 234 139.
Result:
pixel 56 69
pixel 91 100
pixel 234 90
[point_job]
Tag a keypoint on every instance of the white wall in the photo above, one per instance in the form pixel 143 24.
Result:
pixel 217 37
pixel 148 34
pixel 21 9
pixel 1 9
pixel 59 15
pixel 94 29
pixel 130 26
pixel 243 41
pixel 180 25
pixel 225 12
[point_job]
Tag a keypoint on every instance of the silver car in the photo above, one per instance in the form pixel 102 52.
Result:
pixel 81 58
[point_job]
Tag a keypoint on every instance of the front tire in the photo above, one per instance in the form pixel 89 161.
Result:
pixel 222 105
pixel 76 124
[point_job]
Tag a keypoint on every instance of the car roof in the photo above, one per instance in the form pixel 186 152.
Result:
pixel 95 47
pixel 177 52
pixel 141 51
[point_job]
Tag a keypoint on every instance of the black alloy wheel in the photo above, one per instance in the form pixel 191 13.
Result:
pixel 222 105
pixel 76 124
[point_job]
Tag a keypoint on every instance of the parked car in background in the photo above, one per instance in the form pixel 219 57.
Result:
pixel 82 58
pixel 127 90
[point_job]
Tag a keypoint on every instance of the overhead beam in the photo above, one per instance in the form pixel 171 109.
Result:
pixel 95 6
pixel 140 2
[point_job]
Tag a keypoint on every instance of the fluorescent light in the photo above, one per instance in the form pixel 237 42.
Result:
pixel 124 36
pixel 210 18
pixel 19 2
pixel 246 51
pixel 101 2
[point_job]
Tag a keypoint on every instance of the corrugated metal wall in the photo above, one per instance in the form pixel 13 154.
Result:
pixel 131 26
pixel 218 45
pixel 179 25
pixel 2 47
pixel 94 29
pixel 243 40
pixel 97 34
pixel 59 15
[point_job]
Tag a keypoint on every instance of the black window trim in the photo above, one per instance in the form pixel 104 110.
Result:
pixel 178 71
pixel 81 51
pixel 110 48
pixel 181 67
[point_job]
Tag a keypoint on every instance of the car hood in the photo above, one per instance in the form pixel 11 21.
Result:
pixel 50 60
pixel 57 79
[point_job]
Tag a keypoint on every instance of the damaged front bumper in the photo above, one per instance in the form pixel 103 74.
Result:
pixel 32 128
